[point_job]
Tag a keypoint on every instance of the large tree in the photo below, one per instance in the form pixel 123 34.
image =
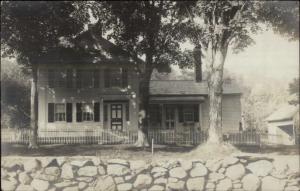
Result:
pixel 29 30
pixel 146 29
pixel 216 26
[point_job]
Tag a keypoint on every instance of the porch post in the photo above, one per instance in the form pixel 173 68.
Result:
pixel 163 116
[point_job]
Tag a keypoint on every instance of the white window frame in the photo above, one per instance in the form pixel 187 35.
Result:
pixel 86 115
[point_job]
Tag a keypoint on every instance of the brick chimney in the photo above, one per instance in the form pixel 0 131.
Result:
pixel 198 63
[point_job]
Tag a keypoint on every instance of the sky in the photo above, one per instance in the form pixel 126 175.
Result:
pixel 272 57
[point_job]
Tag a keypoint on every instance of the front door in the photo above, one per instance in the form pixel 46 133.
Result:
pixel 170 117
pixel 116 117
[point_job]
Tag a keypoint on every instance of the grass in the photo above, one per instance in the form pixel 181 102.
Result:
pixel 131 152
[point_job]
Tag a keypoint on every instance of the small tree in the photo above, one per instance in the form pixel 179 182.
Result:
pixel 216 26
pixel 31 29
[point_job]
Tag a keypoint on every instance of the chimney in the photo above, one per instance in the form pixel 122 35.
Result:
pixel 198 63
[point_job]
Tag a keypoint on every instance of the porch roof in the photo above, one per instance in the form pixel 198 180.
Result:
pixel 186 87
pixel 157 99
pixel 284 113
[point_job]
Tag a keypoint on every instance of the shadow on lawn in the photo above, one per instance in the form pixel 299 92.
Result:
pixel 127 151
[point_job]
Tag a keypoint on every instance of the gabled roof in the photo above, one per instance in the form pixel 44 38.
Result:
pixel 285 112
pixel 89 47
pixel 186 87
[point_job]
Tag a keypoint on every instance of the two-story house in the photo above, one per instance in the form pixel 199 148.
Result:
pixel 94 85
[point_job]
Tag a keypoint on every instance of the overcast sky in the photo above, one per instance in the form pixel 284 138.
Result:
pixel 271 57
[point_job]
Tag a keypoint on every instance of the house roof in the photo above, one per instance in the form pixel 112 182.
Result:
pixel 285 112
pixel 186 87
pixel 89 47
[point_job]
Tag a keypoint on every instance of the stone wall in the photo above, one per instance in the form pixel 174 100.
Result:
pixel 72 174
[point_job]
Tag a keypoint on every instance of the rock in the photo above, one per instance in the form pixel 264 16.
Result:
pixel 118 161
pixel 61 160
pixel 178 172
pixel 179 185
pixel 23 187
pixel 105 183
pixel 215 176
pixel 159 174
pixel 118 170
pixel 221 170
pixel 186 164
pixel 97 161
pixel 46 177
pixel 88 171
pixel 12 165
pixel 224 185
pixel 243 161
pixel 142 180
pixel 32 165
pixel 101 170
pixel 229 161
pixel 235 172
pixel 73 188
pixel 118 180
pixel 237 185
pixel 199 170
pixel 7 185
pixel 4 173
pixel 67 171
pixel 78 163
pixel 52 163
pixel 195 183
pixel 158 169
pixel 40 185
pixel 90 188
pixel 85 179
pixel 213 165
pixel 292 188
pixel 251 182
pixel 124 187
pixel 128 177
pixel 168 164
pixel 24 178
pixel 269 183
pixel 160 181
pixel 157 188
pixel 55 171
pixel 260 168
pixel 138 165
pixel 82 185
pixel 12 174
pixel 280 166
pixel 172 179
pixel 210 185
pixel 64 184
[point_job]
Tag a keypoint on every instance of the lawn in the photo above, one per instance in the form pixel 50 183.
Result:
pixel 128 151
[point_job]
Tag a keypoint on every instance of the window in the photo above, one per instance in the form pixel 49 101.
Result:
pixel 87 112
pixel 116 77
pixel 188 115
pixel 155 115
pixel 84 78
pixel 60 112
pixel 60 78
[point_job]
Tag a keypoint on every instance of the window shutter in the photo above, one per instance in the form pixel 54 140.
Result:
pixel 105 112
pixel 78 78
pixel 69 113
pixel 79 112
pixel 97 111
pixel 51 78
pixel 124 78
pixel 69 78
pixel 127 111
pixel 159 117
pixel 96 78
pixel 180 113
pixel 50 112
pixel 196 113
pixel 106 78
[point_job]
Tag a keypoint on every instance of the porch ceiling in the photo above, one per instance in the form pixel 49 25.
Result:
pixel 156 99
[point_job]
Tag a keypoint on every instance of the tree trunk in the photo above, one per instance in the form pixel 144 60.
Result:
pixel 215 90
pixel 142 140
pixel 33 110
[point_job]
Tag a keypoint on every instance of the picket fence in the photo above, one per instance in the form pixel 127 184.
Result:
pixel 105 136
